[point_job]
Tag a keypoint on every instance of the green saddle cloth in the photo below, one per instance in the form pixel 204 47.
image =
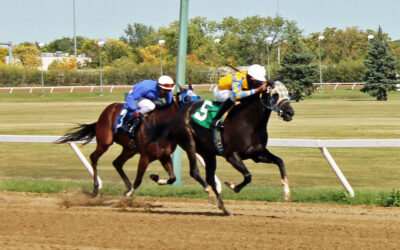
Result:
pixel 206 113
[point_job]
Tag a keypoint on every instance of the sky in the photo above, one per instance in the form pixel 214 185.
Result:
pixel 48 20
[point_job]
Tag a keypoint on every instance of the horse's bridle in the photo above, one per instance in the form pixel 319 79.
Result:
pixel 271 105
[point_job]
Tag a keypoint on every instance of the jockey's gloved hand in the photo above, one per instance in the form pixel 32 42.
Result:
pixel 262 88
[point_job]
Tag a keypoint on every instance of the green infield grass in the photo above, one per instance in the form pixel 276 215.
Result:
pixel 335 114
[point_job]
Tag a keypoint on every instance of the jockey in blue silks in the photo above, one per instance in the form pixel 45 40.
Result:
pixel 140 100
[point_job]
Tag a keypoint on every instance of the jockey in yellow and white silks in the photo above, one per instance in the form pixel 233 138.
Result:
pixel 235 87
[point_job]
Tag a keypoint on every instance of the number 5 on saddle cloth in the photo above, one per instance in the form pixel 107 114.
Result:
pixel 204 116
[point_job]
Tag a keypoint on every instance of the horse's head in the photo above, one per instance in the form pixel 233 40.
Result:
pixel 277 98
pixel 186 96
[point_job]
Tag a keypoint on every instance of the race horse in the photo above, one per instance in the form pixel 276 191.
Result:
pixel 149 141
pixel 244 136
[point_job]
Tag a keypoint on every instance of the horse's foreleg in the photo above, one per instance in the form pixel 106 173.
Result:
pixel 238 164
pixel 119 162
pixel 94 158
pixel 268 157
pixel 143 163
pixel 166 162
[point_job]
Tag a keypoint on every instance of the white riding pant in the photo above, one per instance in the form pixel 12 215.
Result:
pixel 223 95
pixel 144 105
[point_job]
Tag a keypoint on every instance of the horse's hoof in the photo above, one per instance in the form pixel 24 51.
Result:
pixel 130 193
pixel 230 185
pixel 222 207
pixel 95 193
pixel 154 177
pixel 212 200
pixel 286 189
pixel 286 195
pixel 212 197
pixel 226 213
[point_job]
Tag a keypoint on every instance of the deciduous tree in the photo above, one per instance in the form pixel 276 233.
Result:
pixel 28 55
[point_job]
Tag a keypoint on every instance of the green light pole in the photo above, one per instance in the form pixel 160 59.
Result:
pixel 41 45
pixel 216 41
pixel 161 42
pixel 180 78
pixel 269 41
pixel 101 44
pixel 320 38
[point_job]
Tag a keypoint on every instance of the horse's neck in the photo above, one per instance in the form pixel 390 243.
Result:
pixel 256 112
pixel 164 115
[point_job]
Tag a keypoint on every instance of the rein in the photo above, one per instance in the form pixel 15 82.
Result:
pixel 266 106
pixel 269 106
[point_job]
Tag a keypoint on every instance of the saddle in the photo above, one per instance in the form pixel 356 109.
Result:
pixel 206 113
pixel 204 116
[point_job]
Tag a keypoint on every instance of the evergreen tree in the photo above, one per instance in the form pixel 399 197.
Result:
pixel 297 72
pixel 381 68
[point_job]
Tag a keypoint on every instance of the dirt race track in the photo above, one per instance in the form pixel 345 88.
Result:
pixel 73 221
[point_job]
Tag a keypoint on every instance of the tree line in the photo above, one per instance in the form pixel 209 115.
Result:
pixel 232 41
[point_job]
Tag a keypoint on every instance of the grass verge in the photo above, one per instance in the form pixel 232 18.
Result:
pixel 322 196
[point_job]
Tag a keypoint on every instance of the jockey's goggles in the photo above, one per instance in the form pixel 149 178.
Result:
pixel 168 86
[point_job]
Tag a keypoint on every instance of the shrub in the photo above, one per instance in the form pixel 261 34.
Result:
pixel 393 200
pixel 345 71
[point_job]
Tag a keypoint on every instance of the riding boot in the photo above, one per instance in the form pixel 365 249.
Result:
pixel 135 125
pixel 127 123
pixel 216 122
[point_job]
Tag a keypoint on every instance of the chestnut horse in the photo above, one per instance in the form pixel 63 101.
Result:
pixel 149 142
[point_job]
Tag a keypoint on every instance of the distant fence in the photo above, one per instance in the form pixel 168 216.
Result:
pixel 126 88
pixel 335 85
pixel 323 145
pixel 346 85
pixel 72 89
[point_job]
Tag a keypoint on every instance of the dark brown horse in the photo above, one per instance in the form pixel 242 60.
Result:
pixel 150 142
pixel 244 137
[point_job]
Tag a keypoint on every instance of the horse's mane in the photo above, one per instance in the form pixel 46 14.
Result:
pixel 253 99
pixel 162 107
pixel 158 120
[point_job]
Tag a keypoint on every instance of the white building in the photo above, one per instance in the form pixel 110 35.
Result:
pixel 48 58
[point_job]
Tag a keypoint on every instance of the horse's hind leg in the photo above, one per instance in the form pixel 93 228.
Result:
pixel 194 169
pixel 267 157
pixel 238 164
pixel 166 162
pixel 186 141
pixel 119 162
pixel 94 158
pixel 211 166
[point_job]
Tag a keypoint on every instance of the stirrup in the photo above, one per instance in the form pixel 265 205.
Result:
pixel 217 124
pixel 132 131
pixel 125 127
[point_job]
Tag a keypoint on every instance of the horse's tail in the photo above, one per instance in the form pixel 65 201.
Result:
pixel 83 132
